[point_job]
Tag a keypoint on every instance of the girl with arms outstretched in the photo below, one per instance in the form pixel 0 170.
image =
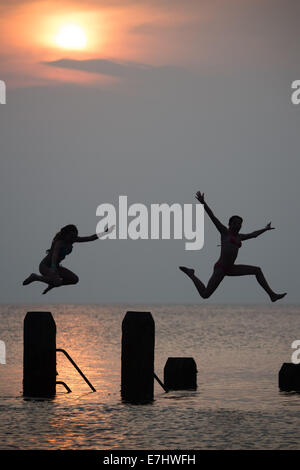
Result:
pixel 231 242
pixel 52 273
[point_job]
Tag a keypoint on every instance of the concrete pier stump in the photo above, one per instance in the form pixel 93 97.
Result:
pixel 289 377
pixel 180 373
pixel 39 359
pixel 137 361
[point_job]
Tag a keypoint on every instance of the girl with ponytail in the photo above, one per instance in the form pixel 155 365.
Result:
pixel 51 271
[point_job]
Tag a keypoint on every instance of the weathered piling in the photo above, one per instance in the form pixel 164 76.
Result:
pixel 180 373
pixel 2 352
pixel 39 359
pixel 137 361
pixel 289 377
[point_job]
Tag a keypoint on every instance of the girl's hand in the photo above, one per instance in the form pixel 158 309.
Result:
pixel 107 231
pixel 200 197
pixel 268 227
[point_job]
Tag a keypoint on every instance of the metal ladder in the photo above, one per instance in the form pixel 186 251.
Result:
pixel 78 370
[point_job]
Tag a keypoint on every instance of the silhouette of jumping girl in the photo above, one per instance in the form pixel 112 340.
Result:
pixel 52 273
pixel 231 242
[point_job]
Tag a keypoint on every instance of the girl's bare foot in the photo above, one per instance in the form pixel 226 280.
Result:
pixel 30 279
pixel 277 296
pixel 188 271
pixel 47 289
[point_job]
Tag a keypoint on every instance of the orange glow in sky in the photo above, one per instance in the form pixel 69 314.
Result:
pixel 37 33
pixel 33 34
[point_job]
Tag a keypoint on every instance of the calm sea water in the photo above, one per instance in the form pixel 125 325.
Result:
pixel 238 350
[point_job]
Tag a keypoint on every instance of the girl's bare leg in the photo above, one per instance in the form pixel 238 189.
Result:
pixel 213 283
pixel 67 276
pixel 36 277
pixel 47 276
pixel 244 270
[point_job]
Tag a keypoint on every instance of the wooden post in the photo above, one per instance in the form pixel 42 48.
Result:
pixel 180 373
pixel 137 369
pixel 39 366
pixel 289 377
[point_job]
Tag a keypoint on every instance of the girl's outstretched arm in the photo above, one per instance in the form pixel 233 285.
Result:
pixel 220 227
pixel 90 238
pixel 94 237
pixel 256 233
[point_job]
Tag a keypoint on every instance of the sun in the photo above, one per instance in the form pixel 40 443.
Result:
pixel 71 36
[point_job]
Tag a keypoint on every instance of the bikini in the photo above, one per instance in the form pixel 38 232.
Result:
pixel 63 252
pixel 219 264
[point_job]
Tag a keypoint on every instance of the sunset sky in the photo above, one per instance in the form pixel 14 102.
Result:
pixel 110 39
pixel 153 99
pixel 132 33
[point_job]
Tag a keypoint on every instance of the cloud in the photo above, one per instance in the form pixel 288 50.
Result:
pixel 8 5
pixel 102 4
pixel 151 28
pixel 182 26
pixel 111 68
